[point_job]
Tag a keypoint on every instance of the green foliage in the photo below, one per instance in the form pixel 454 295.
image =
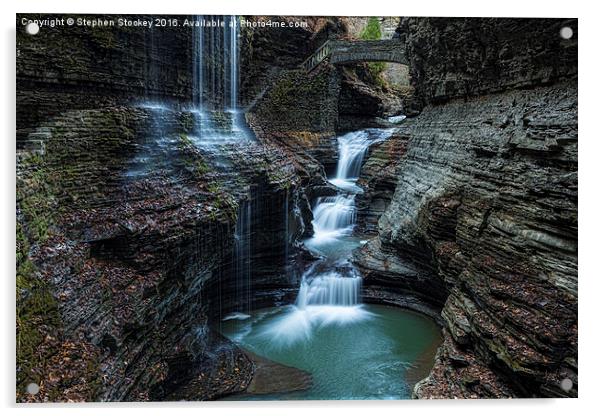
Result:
pixel 376 69
pixel 372 30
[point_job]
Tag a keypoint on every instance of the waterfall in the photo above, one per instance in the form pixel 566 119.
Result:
pixel 329 289
pixel 334 216
pixel 233 62
pixel 217 58
pixel 200 72
pixel 242 256
pixel 352 149
pixel 286 233
pixel 329 292
pixel 218 119
pixel 334 219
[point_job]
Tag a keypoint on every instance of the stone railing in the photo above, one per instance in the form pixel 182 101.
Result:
pixel 345 52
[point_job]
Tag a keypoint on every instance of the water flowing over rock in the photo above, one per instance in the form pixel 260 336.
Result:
pixel 173 182
pixel 484 215
pixel 153 205
pixel 330 289
pixel 216 74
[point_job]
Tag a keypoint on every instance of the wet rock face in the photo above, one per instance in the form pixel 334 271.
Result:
pixel 485 206
pixel 486 200
pixel 458 57
pixel 299 112
pixel 79 68
pixel 131 252
pixel 362 104
pixel 378 180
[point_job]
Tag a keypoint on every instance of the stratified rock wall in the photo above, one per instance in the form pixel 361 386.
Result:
pixel 124 234
pixel 268 50
pixel 78 67
pixel 124 227
pixel 461 57
pixel 486 205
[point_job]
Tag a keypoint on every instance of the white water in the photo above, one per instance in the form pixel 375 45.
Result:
pixel 352 150
pixel 217 78
pixel 218 71
pixel 242 256
pixel 396 119
pixel 237 316
pixel 334 217
pixel 330 289
pixel 233 62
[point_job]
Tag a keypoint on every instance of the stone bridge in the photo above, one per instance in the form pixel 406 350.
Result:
pixel 342 52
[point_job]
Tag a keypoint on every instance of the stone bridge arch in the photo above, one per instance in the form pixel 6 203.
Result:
pixel 341 52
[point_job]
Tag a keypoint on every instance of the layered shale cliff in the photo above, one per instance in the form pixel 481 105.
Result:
pixel 80 67
pixel 123 239
pixel 483 221
pixel 128 234
pixel 133 243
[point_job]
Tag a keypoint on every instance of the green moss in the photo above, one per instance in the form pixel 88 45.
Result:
pixel 185 140
pixel 191 158
pixel 187 121
pixel 201 167
pixel 36 307
pixel 35 199
pixel 299 101
pixel 216 192
pixel 294 85
pixel 37 313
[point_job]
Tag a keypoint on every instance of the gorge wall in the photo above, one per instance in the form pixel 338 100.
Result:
pixel 128 236
pixel 80 67
pixel 116 266
pixel 126 231
pixel 484 214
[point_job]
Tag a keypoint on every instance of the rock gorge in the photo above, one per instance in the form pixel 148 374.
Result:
pixel 134 243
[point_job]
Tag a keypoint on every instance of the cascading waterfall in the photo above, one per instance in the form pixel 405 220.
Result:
pixel 334 216
pixel 242 262
pixel 330 289
pixel 233 62
pixel 217 58
pixel 218 118
pixel 352 150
